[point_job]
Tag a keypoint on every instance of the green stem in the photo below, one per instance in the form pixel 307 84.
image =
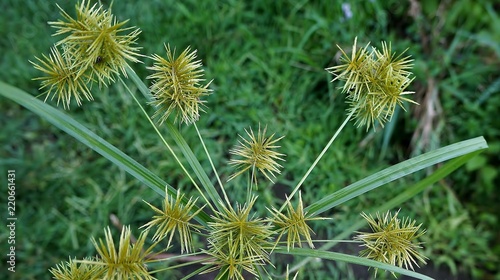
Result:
pixel 212 164
pixel 165 143
pixel 251 182
pixel 334 256
pixel 138 82
pixel 182 145
pixel 318 158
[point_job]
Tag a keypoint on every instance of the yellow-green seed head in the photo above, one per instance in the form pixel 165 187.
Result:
pixel 98 43
pixel 128 261
pixel 293 224
pixel 76 270
pixel 61 78
pixel 174 218
pixel 392 240
pixel 177 87
pixel 375 83
pixel 94 48
pixel 257 154
pixel 238 241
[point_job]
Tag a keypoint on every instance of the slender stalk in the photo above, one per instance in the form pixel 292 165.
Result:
pixel 166 144
pixel 170 267
pixel 250 183
pixel 139 83
pixel 212 164
pixel 318 158
pixel 181 143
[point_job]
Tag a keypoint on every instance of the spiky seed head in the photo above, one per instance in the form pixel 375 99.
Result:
pixel 392 240
pixel 352 70
pixel 98 43
pixel 174 218
pixel 94 48
pixel 375 83
pixel 128 261
pixel 257 154
pixel 61 78
pixel 177 86
pixel 75 270
pixel 293 224
pixel 238 241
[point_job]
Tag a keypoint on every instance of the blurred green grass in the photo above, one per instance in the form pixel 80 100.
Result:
pixel 267 60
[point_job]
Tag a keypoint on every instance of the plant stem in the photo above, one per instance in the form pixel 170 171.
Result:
pixel 182 145
pixel 212 164
pixel 166 144
pixel 250 185
pixel 318 158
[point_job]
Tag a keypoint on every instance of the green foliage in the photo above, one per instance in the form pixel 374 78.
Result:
pixel 461 67
pixel 449 225
pixel 267 57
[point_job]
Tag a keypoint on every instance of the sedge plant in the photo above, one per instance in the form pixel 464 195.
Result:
pixel 97 49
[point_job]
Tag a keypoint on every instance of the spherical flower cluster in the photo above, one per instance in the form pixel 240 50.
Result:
pixel 96 46
pixel 258 153
pixel 392 240
pixel 375 82
pixel 176 86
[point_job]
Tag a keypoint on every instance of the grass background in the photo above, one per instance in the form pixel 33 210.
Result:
pixel 267 59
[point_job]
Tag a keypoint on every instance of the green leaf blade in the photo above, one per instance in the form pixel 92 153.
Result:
pixel 69 125
pixel 404 196
pixel 182 145
pixel 395 172
pixel 334 256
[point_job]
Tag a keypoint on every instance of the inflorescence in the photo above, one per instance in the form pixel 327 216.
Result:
pixel 97 48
